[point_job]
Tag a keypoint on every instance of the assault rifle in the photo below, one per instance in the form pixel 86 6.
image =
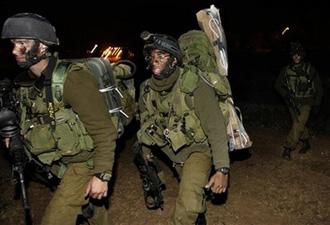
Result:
pixel 291 103
pixel 289 98
pixel 9 128
pixel 151 183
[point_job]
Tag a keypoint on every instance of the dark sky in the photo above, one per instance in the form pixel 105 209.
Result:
pixel 252 28
pixel 249 25
pixel 120 22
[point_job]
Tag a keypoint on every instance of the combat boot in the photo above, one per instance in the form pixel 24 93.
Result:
pixel 287 153
pixel 201 220
pixel 305 147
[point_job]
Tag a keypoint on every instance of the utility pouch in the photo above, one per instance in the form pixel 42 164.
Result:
pixel 193 128
pixel 69 137
pixel 40 139
pixel 70 134
pixel 176 138
pixel 151 134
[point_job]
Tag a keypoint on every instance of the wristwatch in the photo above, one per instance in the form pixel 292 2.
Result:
pixel 223 170
pixel 104 176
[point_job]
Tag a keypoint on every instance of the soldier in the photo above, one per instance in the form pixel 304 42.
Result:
pixel 179 115
pixel 74 135
pixel 300 86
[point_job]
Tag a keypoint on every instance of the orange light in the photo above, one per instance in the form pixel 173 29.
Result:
pixel 112 53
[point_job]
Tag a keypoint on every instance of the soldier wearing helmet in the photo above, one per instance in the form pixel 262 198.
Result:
pixel 71 132
pixel 26 29
pixel 157 45
pixel 179 114
pixel 300 86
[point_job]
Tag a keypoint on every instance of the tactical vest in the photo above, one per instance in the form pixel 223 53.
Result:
pixel 299 81
pixel 170 117
pixel 51 138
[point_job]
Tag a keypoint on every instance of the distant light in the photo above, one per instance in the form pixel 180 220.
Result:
pixel 112 53
pixel 118 54
pixel 95 46
pixel 285 30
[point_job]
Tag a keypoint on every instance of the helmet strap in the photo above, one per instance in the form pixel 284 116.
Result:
pixel 32 57
pixel 168 70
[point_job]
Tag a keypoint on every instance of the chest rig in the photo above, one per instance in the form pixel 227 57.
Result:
pixel 51 130
pixel 169 117
pixel 300 81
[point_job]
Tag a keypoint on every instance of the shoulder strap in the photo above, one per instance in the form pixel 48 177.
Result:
pixel 148 96
pixel 307 70
pixel 58 79
pixel 48 90
pixel 188 79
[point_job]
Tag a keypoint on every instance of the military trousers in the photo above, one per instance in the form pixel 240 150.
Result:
pixel 191 201
pixel 68 199
pixel 298 131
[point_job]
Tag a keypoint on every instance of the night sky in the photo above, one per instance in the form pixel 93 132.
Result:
pixel 252 27
pixel 120 22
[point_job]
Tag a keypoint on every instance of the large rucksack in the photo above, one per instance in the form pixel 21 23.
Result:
pixel 198 51
pixel 115 82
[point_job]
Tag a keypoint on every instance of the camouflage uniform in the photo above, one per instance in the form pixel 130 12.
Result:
pixel 300 86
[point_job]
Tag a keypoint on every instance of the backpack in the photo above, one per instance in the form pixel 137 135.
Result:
pixel 115 83
pixel 199 52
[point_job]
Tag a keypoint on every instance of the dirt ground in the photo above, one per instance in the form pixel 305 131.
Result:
pixel 264 188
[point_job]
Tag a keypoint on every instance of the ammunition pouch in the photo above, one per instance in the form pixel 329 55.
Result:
pixel 184 131
pixel 151 134
pixel 68 138
pixel 176 138
pixel 300 82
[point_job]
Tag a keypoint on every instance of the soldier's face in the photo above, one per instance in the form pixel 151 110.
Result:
pixel 20 48
pixel 296 58
pixel 159 61
pixel 26 51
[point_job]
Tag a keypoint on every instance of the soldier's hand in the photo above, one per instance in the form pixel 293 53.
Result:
pixel 96 188
pixel 218 183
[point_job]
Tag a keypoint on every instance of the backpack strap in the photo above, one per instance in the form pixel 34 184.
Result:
pixel 307 71
pixel 58 79
pixel 189 79
pixel 148 97
pixel 48 89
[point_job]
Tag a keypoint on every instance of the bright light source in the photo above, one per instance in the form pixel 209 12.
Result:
pixel 95 46
pixel 112 53
pixel 285 30
pixel 93 49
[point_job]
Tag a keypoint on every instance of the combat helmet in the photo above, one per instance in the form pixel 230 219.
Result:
pixel 163 42
pixel 29 26
pixel 297 48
